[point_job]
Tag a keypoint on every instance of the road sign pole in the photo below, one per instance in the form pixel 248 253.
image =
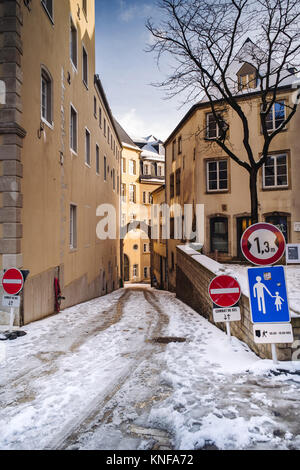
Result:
pixel 228 330
pixel 274 353
pixel 11 319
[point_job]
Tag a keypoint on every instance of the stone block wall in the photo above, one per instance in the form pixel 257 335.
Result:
pixel 192 281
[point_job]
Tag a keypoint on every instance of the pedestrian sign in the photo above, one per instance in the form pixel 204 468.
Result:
pixel 268 295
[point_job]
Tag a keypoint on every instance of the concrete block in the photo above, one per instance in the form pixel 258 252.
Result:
pixel 12 168
pixel 12 230
pixel 10 246
pixel 12 199
pixel 10 215
pixel 12 261
pixel 10 184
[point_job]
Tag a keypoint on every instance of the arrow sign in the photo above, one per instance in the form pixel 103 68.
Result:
pixel 12 281
pixel 224 291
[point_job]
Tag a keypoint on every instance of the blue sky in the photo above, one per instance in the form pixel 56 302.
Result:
pixel 127 71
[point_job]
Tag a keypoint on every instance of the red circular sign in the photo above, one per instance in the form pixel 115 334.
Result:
pixel 263 244
pixel 12 281
pixel 224 291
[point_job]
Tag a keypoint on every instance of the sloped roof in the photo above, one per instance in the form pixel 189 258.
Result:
pixel 123 136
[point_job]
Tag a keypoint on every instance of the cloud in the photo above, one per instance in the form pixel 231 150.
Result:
pixel 133 11
pixel 137 126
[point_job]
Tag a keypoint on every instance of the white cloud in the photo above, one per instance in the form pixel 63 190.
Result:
pixel 136 10
pixel 138 126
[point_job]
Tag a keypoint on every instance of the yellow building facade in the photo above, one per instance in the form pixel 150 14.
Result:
pixel 199 172
pixel 60 155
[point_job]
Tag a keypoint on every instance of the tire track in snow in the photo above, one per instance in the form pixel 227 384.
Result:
pixel 71 433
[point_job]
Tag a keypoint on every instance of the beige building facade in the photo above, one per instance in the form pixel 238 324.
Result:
pixel 159 263
pixel 60 155
pixel 199 172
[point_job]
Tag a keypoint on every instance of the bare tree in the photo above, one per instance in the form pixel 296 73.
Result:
pixel 205 39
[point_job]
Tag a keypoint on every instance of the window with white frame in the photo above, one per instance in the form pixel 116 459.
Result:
pixel 73 226
pixel 84 66
pixel 46 96
pixel 123 165
pixel 135 270
pixel 73 129
pixel 48 5
pixel 132 193
pixel 132 167
pixel 217 175
pixel 276 116
pixel 73 44
pixel 212 128
pixel 123 192
pixel 275 172
pixel 87 147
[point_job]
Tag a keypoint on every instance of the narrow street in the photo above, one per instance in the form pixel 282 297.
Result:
pixel 138 369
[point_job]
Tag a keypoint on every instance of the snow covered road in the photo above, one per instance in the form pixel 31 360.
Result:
pixel 93 377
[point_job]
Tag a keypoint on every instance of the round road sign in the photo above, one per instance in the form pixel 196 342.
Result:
pixel 224 291
pixel 263 244
pixel 12 281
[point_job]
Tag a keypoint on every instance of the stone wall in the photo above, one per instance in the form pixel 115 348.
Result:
pixel 194 273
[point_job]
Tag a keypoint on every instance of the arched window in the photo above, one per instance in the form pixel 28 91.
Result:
pixel 219 234
pixel 46 96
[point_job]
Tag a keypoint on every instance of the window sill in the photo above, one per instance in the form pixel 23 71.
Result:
pixel 217 191
pixel 276 188
pixel 73 250
pixel 86 85
pixel 87 164
pixel 74 67
pixel 73 152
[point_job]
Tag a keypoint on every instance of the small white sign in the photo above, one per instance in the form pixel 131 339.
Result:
pixel 265 333
pixel 296 226
pixel 226 314
pixel 293 253
pixel 12 301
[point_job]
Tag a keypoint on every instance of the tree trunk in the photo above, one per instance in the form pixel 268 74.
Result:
pixel 253 196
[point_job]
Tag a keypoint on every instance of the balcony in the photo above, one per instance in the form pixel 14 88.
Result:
pixel 152 178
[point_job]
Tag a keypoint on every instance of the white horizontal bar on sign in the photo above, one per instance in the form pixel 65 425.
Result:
pixel 12 281
pixel 229 290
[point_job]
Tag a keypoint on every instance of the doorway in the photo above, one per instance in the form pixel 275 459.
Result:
pixel 126 268
pixel 242 224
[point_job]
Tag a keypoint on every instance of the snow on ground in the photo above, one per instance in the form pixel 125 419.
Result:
pixel 86 377
pixel 292 279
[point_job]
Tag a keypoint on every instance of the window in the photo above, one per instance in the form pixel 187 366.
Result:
pixel 104 127
pixel 84 7
pixel 281 222
pixel 97 160
pixel 172 186
pixel 48 5
pixel 179 145
pixel 145 248
pixel 212 129
pixel 73 44
pixel 105 168
pixel 46 97
pixel 275 172
pixel 95 107
pixel 173 150
pixel 135 247
pixel 87 147
pixel 144 197
pixel 73 226
pixel 217 175
pixel 178 175
pixel 100 117
pixel 149 198
pixel 84 66
pixel 219 234
pixel 194 155
pixel 114 179
pixel 123 165
pixel 276 116
pixel 73 129
pixel 108 134
pixel 135 270
pixel 145 273
pixel 132 167
pixel 145 169
pixel 123 192
pixel 132 193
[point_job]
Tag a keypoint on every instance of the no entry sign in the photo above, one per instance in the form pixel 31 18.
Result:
pixel 263 244
pixel 224 291
pixel 12 281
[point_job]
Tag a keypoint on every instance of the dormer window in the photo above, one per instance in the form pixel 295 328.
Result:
pixel 247 77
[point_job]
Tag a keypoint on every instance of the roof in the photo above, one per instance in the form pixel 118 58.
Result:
pixel 101 91
pixel 124 137
pixel 159 189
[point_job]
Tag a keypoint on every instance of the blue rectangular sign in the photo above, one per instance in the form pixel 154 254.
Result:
pixel 268 295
